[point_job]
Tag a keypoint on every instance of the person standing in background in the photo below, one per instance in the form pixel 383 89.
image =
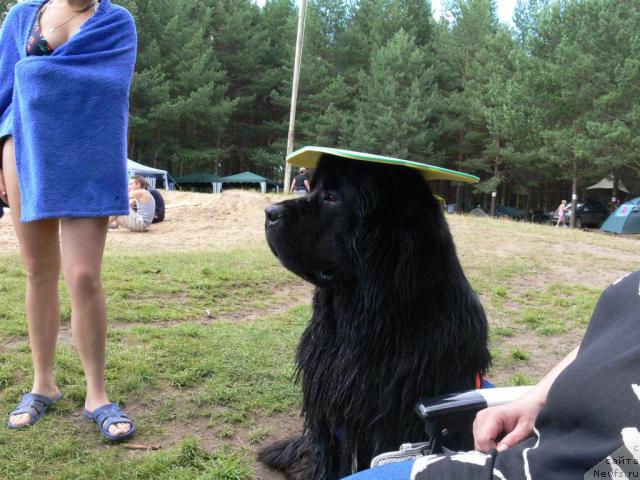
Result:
pixel 300 184
pixel 561 211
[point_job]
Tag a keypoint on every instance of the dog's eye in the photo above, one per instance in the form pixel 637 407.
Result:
pixel 330 197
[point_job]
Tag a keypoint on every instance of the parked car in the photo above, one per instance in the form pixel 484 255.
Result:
pixel 502 211
pixel 441 202
pixel 590 213
pixel 539 216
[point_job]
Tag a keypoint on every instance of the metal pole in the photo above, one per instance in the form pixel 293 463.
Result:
pixel 294 92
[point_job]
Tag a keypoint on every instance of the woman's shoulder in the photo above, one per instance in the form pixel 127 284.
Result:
pixel 25 6
pixel 22 8
pixel 117 14
pixel 19 14
pixel 121 12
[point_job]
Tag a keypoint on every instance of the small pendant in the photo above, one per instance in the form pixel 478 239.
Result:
pixel 52 29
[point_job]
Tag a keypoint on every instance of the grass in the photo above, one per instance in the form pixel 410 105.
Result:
pixel 168 363
pixel 201 347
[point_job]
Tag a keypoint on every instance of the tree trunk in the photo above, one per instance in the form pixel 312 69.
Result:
pixel 614 192
pixel 492 212
pixel 574 193
pixel 156 155
pixel 215 159
pixel 157 152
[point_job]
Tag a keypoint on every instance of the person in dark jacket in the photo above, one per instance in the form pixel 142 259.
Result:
pixel 159 215
pixel 579 422
pixel 300 184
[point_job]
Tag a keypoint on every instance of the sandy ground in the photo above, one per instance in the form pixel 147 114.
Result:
pixel 193 221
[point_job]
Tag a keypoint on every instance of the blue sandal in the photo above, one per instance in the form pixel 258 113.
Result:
pixel 33 404
pixel 108 415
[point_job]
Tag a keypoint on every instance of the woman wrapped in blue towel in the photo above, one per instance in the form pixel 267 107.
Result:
pixel 65 74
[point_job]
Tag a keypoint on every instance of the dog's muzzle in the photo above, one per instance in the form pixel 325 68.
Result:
pixel 274 214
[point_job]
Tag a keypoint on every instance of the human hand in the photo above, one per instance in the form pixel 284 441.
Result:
pixel 3 189
pixel 514 420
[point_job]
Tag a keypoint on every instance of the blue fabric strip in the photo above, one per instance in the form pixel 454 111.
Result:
pixel 394 471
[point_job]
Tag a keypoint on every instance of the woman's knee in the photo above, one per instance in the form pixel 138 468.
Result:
pixel 42 271
pixel 83 279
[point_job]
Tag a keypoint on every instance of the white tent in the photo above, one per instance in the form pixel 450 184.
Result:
pixel 150 173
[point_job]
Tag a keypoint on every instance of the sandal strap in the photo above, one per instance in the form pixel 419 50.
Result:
pixel 110 414
pixel 33 404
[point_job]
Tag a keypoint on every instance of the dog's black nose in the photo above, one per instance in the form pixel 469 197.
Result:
pixel 274 213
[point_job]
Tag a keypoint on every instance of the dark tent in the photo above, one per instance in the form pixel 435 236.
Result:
pixel 626 218
pixel 607 184
pixel 201 178
pixel 250 178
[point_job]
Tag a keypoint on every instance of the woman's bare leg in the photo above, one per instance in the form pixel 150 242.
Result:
pixel 40 252
pixel 83 241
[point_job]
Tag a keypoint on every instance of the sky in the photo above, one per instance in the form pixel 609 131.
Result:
pixel 505 9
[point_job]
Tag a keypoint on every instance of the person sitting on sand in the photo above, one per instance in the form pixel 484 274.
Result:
pixel 140 218
pixel 160 208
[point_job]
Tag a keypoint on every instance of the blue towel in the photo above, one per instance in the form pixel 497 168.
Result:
pixel 68 113
pixel 393 471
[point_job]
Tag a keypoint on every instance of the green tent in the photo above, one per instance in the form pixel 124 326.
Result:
pixel 201 178
pixel 249 177
pixel 626 218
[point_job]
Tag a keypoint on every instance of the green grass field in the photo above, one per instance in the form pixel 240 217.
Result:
pixel 201 347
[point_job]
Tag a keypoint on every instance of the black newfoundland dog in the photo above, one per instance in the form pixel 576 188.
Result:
pixel 394 318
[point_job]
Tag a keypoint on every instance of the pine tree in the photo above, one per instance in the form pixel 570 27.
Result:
pixel 325 100
pixel 325 117
pixel 373 23
pixel 5 5
pixel 460 40
pixel 255 48
pixel 396 106
pixel 494 90
pixel 613 127
pixel 569 83
pixel 178 106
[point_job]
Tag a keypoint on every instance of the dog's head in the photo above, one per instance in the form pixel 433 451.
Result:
pixel 361 222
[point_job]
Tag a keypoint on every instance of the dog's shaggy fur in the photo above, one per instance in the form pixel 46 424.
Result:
pixel 394 318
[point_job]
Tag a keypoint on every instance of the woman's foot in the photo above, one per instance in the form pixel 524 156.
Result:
pixel 114 424
pixel 116 430
pixel 32 408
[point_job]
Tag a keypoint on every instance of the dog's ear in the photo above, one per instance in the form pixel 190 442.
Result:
pixel 403 246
